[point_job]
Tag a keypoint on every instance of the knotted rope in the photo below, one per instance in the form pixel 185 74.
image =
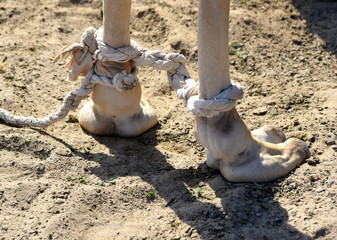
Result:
pixel 95 51
pixel 222 102
pixel 81 54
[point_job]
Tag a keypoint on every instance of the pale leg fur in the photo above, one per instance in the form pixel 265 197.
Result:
pixel 240 157
pixel 113 112
pixel 131 125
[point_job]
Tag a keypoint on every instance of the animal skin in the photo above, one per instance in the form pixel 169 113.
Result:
pixel 240 155
pixel 111 111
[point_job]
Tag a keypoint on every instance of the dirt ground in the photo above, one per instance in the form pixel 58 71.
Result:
pixel 63 183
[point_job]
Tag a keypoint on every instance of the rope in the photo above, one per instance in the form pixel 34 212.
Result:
pixel 94 51
pixel 87 46
pixel 70 102
pixel 173 63
pixel 222 102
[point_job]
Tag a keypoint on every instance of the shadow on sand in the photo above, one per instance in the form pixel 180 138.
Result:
pixel 248 210
pixel 321 17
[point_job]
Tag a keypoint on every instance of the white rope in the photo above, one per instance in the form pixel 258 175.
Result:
pixel 222 102
pixel 87 45
pixel 92 43
pixel 70 102
pixel 122 80
pixel 173 63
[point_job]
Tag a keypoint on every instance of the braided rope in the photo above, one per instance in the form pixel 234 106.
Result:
pixel 223 102
pixel 173 63
pixel 178 76
pixel 91 43
pixel 70 102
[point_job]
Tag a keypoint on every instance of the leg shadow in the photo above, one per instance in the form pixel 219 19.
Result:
pixel 321 17
pixel 251 211
pixel 245 211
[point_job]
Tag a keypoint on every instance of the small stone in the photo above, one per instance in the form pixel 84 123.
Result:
pixel 176 44
pixel 192 140
pixel 331 140
pixel 293 185
pixel 260 111
pixel 273 112
pixel 301 58
pixel 323 121
pixel 188 230
pixel 296 123
pixel 330 181
pixel 319 190
pixel 194 235
pixel 311 137
pixel 271 102
pixel 65 152
pixel 312 161
pixel 248 20
pixel 167 132
pixel 72 119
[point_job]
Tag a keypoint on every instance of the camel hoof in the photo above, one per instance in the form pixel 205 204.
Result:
pixel 302 147
pixel 306 149
pixel 271 134
pixel 124 126
pixel 94 122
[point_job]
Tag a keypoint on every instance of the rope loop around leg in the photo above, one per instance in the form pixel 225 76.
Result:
pixel 223 102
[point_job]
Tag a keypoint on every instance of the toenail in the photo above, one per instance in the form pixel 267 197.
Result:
pixel 281 134
pixel 305 149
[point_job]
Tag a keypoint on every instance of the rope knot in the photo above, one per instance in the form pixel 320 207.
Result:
pixel 222 102
pixel 122 81
pixel 106 53
pixel 81 54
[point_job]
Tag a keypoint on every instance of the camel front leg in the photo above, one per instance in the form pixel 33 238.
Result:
pixel 111 111
pixel 232 149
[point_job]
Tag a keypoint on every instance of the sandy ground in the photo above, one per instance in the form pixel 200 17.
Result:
pixel 63 183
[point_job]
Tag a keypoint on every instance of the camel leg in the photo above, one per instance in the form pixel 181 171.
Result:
pixel 114 112
pixel 232 148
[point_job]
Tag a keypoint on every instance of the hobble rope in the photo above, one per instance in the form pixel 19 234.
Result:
pixel 222 102
pixel 91 45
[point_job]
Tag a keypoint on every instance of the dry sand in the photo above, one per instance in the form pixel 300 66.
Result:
pixel 63 183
